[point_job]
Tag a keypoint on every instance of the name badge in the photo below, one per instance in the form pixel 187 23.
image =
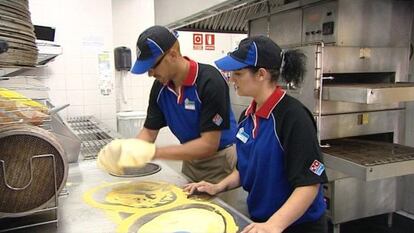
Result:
pixel 189 105
pixel 242 136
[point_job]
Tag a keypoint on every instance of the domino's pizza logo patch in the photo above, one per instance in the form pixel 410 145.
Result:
pixel 317 167
pixel 217 119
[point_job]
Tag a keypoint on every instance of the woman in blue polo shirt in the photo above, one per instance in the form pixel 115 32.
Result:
pixel 279 159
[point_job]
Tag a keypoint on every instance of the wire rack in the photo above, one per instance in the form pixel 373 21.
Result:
pixel 369 153
pixel 93 134
pixel 7 225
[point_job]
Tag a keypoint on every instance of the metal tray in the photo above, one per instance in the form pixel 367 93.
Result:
pixel 378 93
pixel 369 160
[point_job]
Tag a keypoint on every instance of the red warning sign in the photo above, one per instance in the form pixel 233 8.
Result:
pixel 197 41
pixel 209 40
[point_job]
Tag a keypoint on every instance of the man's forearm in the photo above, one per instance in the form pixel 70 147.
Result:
pixel 202 147
pixel 188 151
pixel 147 135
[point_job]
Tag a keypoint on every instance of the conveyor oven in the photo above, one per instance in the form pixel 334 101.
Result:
pixel 358 54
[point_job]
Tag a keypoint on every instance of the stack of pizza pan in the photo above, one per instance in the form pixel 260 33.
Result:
pixel 17 30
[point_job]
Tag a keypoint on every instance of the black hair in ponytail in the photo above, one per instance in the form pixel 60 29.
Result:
pixel 293 66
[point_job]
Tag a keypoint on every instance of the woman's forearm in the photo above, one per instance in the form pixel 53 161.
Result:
pixel 297 204
pixel 232 181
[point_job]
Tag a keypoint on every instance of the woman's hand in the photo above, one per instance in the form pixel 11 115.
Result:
pixel 202 186
pixel 261 228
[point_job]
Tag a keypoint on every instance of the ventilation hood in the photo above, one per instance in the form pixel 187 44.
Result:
pixel 231 16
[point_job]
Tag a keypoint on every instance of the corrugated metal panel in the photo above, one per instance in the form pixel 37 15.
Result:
pixel 230 18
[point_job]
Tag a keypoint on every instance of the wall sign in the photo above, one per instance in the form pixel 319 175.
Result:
pixel 209 40
pixel 198 41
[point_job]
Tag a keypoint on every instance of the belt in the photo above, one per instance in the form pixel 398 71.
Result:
pixel 224 147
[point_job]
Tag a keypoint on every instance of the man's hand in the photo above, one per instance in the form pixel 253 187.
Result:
pixel 108 158
pixel 121 153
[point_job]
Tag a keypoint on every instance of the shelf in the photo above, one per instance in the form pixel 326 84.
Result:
pixel 379 93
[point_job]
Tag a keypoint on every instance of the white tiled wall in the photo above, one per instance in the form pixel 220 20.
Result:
pixel 130 18
pixel 224 43
pixel 86 28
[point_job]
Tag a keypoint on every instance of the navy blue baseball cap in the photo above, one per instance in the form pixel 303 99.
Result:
pixel 151 44
pixel 257 51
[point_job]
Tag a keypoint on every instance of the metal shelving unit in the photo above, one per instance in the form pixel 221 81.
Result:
pixel 93 134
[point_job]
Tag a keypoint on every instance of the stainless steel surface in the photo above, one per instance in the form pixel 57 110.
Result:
pixel 259 26
pixel 70 142
pixel 346 60
pixel 93 134
pixel 355 22
pixel 370 173
pixel 47 51
pixel 287 33
pixel 408 183
pixel 350 198
pixel 226 16
pixel 362 22
pixel 369 160
pixel 371 23
pixel 339 107
pixel 342 60
pixel 384 23
pixel 355 124
pixel 148 169
pixel 30 86
pixel 335 174
pixel 313 18
pixel 408 198
pixel 338 59
pixel 77 216
pixel 58 108
pixel 378 93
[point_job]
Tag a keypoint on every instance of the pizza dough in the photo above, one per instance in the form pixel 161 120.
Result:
pixel 187 220
pixel 135 152
pixel 142 195
pixel 108 158
pixel 122 153
pixel 150 206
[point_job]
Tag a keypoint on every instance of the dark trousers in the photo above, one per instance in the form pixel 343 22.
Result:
pixel 318 226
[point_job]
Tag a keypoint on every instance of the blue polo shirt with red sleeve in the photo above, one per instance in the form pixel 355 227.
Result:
pixel 202 104
pixel 278 151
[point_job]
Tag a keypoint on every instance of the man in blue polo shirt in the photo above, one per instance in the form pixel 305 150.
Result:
pixel 192 99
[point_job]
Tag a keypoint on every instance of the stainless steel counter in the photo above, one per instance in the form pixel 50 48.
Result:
pixel 76 216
